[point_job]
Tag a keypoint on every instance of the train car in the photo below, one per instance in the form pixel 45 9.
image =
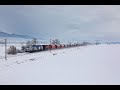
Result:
pixel 72 45
pixel 52 46
pixel 45 47
pixel 76 44
pixel 37 47
pixel 34 48
pixel 58 46
pixel 62 46
pixel 65 45
pixel 68 45
pixel 41 48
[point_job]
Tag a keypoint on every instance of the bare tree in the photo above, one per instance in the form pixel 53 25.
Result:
pixel 34 41
pixel 56 41
pixel 28 43
pixel 53 42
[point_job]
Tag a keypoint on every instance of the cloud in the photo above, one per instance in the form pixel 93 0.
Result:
pixel 63 21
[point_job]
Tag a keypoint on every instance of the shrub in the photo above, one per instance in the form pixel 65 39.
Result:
pixel 12 50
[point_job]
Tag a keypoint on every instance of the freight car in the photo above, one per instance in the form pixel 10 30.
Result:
pixel 52 46
pixel 62 46
pixel 58 46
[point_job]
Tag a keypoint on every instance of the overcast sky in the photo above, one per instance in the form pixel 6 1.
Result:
pixel 67 22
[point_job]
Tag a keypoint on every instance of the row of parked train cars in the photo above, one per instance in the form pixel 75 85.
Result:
pixel 37 48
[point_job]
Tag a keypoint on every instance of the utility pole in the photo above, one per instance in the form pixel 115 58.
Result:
pixel 50 45
pixel 5 49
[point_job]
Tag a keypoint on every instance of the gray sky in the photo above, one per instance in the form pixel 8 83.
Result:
pixel 67 22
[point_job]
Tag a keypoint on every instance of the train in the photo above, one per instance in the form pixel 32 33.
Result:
pixel 37 48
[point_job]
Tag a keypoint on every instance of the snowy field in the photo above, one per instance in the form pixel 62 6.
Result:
pixel 94 64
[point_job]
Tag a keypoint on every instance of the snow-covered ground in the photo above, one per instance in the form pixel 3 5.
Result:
pixel 80 65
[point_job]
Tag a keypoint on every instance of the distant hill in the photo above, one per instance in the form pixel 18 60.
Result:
pixel 114 42
pixel 3 34
pixel 16 38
